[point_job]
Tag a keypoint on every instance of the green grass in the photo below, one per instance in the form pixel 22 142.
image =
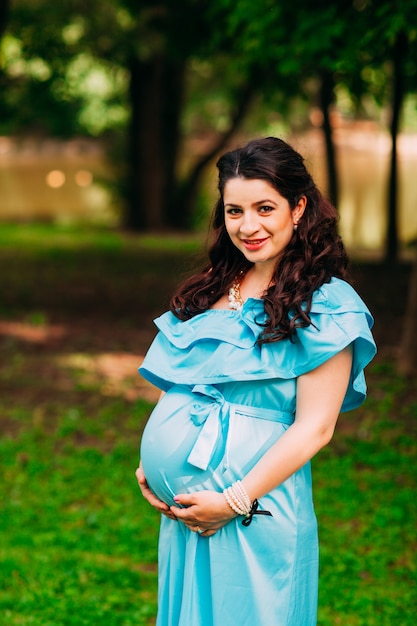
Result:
pixel 38 236
pixel 78 545
pixel 366 504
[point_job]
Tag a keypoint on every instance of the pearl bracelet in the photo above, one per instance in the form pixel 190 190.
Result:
pixel 238 499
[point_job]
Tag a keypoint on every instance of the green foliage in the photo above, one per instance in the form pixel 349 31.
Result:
pixel 67 69
pixel 54 80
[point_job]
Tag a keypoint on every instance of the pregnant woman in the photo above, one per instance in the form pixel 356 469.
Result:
pixel 259 354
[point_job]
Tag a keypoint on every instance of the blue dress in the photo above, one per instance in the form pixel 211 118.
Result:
pixel 228 399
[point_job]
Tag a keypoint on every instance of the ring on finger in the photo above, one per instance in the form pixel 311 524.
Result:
pixel 199 530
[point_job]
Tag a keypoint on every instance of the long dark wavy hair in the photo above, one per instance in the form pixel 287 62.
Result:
pixel 314 254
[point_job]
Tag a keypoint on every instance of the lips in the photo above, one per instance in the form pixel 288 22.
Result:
pixel 254 244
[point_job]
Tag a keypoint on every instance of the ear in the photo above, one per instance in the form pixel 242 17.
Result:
pixel 299 209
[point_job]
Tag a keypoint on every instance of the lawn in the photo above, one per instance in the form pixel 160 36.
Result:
pixel 78 545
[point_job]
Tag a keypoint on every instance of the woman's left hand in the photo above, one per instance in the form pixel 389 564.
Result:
pixel 204 511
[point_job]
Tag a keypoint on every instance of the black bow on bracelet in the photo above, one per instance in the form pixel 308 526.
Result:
pixel 254 511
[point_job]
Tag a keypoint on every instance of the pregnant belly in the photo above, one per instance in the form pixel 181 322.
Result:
pixel 167 441
pixel 196 440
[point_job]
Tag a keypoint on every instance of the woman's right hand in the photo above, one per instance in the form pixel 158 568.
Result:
pixel 150 496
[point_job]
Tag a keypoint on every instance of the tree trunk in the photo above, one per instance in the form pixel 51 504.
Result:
pixel 398 54
pixel 407 357
pixel 4 15
pixel 4 19
pixel 156 89
pixel 326 101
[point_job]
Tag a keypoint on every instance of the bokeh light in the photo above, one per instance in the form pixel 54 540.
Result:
pixel 83 178
pixel 55 179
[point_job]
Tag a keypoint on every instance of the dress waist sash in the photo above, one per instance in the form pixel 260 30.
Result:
pixel 212 411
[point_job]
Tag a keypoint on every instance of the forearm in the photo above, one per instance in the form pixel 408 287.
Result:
pixel 294 448
pixel 320 396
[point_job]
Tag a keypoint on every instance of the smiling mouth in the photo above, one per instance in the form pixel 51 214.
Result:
pixel 253 242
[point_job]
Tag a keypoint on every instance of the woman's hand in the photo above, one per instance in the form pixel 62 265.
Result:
pixel 205 511
pixel 150 496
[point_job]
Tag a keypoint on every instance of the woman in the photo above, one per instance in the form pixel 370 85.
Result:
pixel 257 357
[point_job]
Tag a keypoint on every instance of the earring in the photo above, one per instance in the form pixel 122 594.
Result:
pixel 295 225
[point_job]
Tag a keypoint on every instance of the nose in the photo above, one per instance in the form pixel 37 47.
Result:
pixel 249 224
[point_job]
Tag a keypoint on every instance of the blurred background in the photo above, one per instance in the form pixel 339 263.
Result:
pixel 113 113
pixel 112 116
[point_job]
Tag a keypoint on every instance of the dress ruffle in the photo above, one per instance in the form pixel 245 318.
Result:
pixel 219 345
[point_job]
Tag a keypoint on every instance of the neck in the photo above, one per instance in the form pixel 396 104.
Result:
pixel 256 281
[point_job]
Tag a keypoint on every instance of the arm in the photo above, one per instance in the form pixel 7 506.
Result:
pixel 320 395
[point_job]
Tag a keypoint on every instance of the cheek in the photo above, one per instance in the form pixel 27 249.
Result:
pixel 285 227
pixel 231 227
pixel 287 235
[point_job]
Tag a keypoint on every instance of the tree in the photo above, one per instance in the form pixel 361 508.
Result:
pixel 152 45
pixel 36 56
pixel 159 69
pixel 149 53
pixel 407 356
pixel 399 52
pixel 188 188
pixel 4 15
pixel 305 53
pixel 388 42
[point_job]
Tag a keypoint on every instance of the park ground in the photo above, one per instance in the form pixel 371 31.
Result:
pixel 78 545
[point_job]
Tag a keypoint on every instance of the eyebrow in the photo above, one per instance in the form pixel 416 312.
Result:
pixel 257 203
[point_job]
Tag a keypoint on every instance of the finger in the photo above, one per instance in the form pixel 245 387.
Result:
pixel 203 532
pixel 149 495
pixel 195 528
pixel 184 515
pixel 185 499
pixel 156 502
pixel 140 475
pixel 169 515
pixel 159 505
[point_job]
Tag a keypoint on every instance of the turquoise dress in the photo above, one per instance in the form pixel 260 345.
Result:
pixel 228 400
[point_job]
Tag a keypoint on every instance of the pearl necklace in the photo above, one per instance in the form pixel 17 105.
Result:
pixel 235 298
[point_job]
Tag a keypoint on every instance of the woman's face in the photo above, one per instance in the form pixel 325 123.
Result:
pixel 258 219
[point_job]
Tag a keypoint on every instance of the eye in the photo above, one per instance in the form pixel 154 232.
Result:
pixel 265 209
pixel 234 210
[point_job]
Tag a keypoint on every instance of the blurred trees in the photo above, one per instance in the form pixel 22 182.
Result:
pixel 4 15
pixel 154 70
pixel 4 18
pixel 105 66
pixel 407 354
pixel 387 55
pixel 304 52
